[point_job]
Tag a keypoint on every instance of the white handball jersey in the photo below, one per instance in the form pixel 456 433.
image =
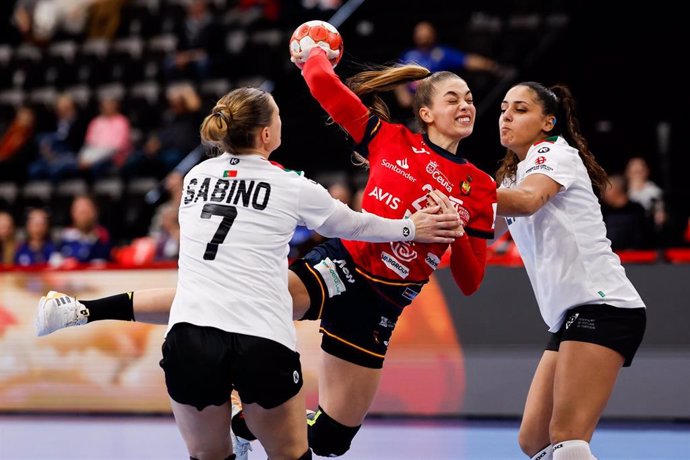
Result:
pixel 564 247
pixel 237 216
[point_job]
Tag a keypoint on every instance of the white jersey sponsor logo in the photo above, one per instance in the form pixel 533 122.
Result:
pixel 402 163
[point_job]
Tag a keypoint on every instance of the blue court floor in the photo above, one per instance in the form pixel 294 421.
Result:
pixel 156 438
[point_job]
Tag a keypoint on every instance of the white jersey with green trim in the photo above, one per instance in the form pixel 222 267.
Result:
pixel 237 216
pixel 563 245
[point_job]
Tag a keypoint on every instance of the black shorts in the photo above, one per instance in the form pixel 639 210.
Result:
pixel 203 364
pixel 358 311
pixel 620 329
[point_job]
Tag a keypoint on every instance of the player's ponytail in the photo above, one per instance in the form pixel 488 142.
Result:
pixel 367 84
pixel 570 130
pixel 216 125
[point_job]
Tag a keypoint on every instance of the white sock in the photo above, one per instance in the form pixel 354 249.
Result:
pixel 572 450
pixel 544 454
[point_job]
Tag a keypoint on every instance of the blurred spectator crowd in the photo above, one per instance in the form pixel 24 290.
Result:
pixel 101 100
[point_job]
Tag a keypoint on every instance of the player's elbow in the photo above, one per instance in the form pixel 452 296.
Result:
pixel 468 282
pixel 470 288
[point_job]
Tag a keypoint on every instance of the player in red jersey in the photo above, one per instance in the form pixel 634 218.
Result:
pixel 358 291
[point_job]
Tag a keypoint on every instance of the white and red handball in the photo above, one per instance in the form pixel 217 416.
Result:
pixel 315 33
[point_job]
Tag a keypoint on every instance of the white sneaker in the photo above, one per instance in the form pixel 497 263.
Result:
pixel 57 310
pixel 240 446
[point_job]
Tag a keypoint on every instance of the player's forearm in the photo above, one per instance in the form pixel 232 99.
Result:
pixel 516 202
pixel 352 225
pixel 468 263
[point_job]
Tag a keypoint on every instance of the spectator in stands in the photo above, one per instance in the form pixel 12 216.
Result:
pixel 200 43
pixel 108 141
pixel 22 21
pixel 165 231
pixel 626 225
pixel 8 239
pixel 17 146
pixel 176 135
pixel 435 57
pixel 645 192
pixel 38 247
pixel 86 240
pixel 57 149
pixel 50 18
pixel 104 18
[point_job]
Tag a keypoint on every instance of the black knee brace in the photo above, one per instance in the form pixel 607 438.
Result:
pixel 327 437
pixel 240 428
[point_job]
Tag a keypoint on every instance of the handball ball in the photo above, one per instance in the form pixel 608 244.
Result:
pixel 315 33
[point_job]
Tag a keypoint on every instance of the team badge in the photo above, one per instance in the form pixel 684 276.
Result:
pixel 466 186
pixel 540 160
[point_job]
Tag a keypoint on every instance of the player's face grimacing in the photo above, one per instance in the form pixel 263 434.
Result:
pixel 452 111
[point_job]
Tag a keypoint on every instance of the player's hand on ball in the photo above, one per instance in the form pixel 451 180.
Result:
pixel 313 34
pixel 439 199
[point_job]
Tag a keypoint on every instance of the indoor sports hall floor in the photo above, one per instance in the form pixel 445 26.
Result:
pixel 156 438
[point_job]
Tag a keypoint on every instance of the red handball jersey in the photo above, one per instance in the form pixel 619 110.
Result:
pixel 404 166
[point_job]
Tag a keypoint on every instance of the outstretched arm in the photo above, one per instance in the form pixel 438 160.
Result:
pixel 425 226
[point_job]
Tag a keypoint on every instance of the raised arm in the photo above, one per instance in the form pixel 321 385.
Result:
pixel 338 100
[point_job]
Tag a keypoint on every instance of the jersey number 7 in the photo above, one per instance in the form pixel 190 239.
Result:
pixel 229 213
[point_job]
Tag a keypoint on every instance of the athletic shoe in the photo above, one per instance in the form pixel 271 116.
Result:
pixel 57 310
pixel 240 446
